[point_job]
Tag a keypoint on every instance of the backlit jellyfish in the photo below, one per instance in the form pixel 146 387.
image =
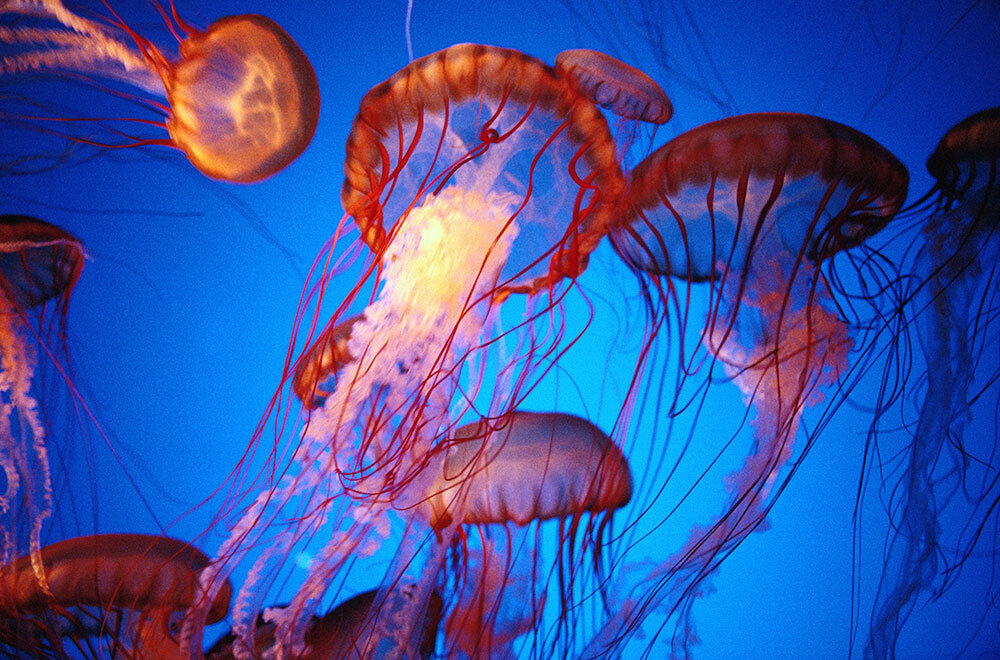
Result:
pixel 614 85
pixel 628 93
pixel 472 174
pixel 39 266
pixel 501 478
pixel 242 100
pixel 955 312
pixel 105 595
pixel 754 206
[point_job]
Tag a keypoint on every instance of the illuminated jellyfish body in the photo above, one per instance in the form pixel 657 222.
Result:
pixel 242 100
pixel 39 266
pixel 753 206
pixel 954 310
pixel 473 174
pixel 104 596
pixel 500 480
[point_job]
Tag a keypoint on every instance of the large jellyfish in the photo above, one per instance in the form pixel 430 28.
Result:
pixel 500 479
pixel 123 589
pixel 242 101
pixel 753 205
pixel 955 314
pixel 39 266
pixel 473 174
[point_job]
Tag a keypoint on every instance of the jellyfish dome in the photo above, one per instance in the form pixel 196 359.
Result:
pixel 612 84
pixel 242 101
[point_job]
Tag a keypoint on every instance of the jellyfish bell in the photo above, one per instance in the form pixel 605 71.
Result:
pixel 145 579
pixel 316 376
pixel 964 160
pixel 504 129
pixel 612 84
pixel 769 175
pixel 953 310
pixel 754 206
pixel 242 101
pixel 39 266
pixel 564 464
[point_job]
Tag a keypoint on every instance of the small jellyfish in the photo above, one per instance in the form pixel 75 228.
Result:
pixel 753 205
pixel 39 266
pixel 498 480
pixel 954 311
pixel 242 100
pixel 316 375
pixel 124 588
pixel 614 85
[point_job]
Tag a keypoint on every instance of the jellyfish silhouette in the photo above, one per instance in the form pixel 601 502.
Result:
pixel 334 634
pixel 954 313
pixel 752 205
pixel 473 174
pixel 39 266
pixel 499 479
pixel 242 101
pixel 122 589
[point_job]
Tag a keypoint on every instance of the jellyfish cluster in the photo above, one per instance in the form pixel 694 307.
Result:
pixel 446 466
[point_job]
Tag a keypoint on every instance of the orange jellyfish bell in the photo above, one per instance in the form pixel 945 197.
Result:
pixel 490 132
pixel 812 185
pixel 243 100
pixel 529 466
pixel 149 577
pixel 612 84
pixel 319 366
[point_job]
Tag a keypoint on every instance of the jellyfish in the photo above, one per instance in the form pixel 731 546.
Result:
pixel 241 102
pixel 500 479
pixel 628 93
pixel 954 313
pixel 333 634
pixel 612 84
pixel 316 375
pixel 124 588
pixel 39 266
pixel 473 174
pixel 754 206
